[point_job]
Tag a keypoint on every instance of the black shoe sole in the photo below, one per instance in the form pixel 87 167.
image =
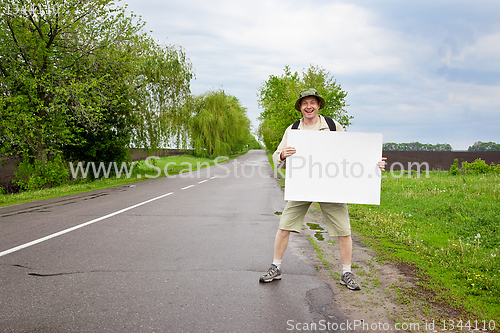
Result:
pixel 267 281
pixel 345 284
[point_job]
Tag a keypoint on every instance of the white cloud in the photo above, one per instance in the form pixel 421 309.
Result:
pixel 336 35
pixel 484 53
pixel 416 71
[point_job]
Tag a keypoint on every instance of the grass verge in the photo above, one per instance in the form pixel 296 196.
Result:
pixel 141 171
pixel 447 228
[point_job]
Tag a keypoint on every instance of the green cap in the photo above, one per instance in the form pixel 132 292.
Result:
pixel 309 92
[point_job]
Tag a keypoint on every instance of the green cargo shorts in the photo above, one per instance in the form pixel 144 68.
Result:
pixel 335 214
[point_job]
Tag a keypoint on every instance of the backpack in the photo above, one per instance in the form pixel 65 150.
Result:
pixel 329 121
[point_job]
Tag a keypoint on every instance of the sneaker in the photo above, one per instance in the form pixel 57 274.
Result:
pixel 347 280
pixel 274 273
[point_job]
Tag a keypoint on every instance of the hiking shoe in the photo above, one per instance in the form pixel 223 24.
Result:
pixel 347 280
pixel 274 273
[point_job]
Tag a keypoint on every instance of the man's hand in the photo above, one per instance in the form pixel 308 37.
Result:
pixel 382 164
pixel 287 151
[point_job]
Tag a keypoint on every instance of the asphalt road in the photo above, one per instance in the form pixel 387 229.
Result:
pixel 177 254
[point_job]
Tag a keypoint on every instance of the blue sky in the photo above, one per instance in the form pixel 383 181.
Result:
pixel 426 71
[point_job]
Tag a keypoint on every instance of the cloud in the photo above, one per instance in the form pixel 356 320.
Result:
pixel 475 63
pixel 414 70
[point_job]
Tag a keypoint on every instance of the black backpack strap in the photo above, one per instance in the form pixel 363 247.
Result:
pixel 331 123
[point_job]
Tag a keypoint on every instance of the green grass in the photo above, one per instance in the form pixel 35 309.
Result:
pixel 446 226
pixel 176 164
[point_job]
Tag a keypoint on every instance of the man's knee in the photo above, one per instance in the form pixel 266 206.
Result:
pixel 283 233
pixel 345 239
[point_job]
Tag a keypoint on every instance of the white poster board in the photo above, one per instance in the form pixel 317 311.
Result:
pixel 334 167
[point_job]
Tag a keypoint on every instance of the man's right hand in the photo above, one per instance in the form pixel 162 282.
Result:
pixel 287 151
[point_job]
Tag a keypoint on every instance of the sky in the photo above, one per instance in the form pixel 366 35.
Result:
pixel 425 71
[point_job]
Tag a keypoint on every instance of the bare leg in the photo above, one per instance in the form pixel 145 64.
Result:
pixel 345 247
pixel 280 243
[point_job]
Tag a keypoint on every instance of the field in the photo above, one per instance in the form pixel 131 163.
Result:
pixel 447 227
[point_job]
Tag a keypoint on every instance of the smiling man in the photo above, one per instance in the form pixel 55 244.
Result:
pixel 335 214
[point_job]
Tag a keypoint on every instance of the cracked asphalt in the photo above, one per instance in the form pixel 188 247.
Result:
pixel 179 254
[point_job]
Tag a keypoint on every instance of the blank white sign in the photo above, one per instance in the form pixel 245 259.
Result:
pixel 334 167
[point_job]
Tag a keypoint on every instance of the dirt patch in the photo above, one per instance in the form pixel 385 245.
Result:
pixel 392 295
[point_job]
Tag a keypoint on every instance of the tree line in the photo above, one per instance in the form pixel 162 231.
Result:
pixel 484 146
pixel 80 80
pixel 417 146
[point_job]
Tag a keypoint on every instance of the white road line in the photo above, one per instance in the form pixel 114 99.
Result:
pixel 206 180
pixel 20 247
pixel 184 188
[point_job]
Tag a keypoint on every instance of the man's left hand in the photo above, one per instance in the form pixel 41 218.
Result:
pixel 382 164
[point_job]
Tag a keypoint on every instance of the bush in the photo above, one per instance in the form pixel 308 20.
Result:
pixel 454 170
pixel 495 168
pixel 477 167
pixel 37 174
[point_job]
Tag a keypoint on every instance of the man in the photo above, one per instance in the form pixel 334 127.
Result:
pixel 335 214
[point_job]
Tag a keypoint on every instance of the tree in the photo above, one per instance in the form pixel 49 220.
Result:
pixel 163 89
pixel 253 143
pixel 106 138
pixel 484 146
pixel 277 98
pixel 417 146
pixel 219 124
pixel 443 147
pixel 63 76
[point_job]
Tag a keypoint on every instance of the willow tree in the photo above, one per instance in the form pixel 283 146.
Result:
pixel 219 124
pixel 277 98
pixel 162 89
